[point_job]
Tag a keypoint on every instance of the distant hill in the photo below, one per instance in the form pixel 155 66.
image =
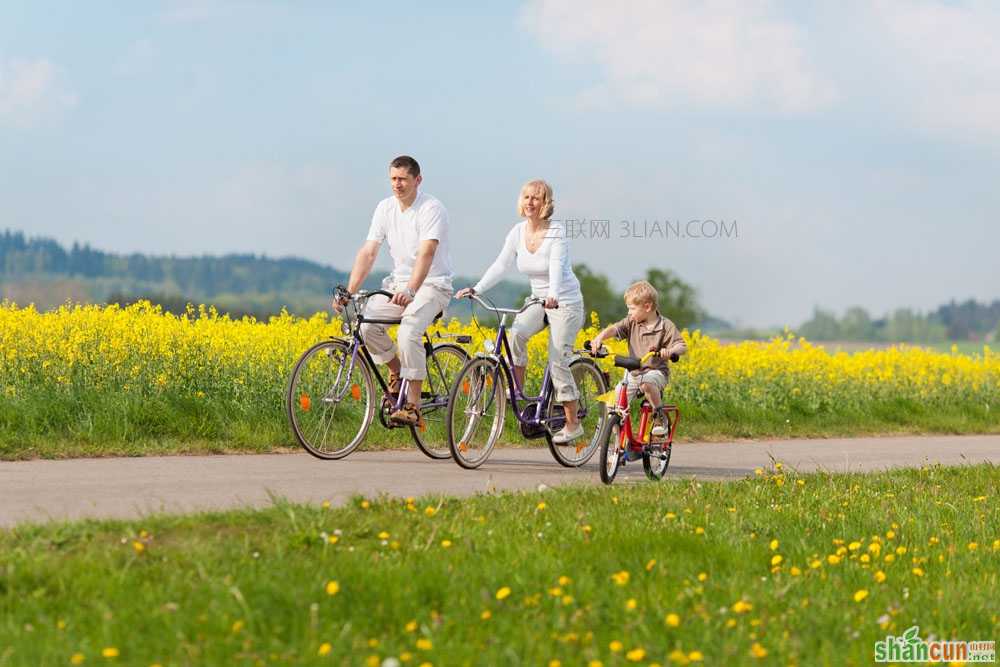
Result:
pixel 41 271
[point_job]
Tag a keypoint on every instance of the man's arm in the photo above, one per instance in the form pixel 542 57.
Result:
pixel 422 265
pixel 363 263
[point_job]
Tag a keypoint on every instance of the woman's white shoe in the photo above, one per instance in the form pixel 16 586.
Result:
pixel 564 437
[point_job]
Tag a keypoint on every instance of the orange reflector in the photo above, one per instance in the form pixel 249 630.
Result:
pixel 489 380
pixel 305 402
pixel 465 387
pixel 355 391
pixel 463 447
pixel 422 426
pixel 579 447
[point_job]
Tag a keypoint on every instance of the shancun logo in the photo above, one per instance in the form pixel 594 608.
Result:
pixel 911 648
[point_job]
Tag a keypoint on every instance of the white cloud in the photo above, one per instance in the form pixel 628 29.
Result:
pixel 945 62
pixel 668 54
pixel 31 90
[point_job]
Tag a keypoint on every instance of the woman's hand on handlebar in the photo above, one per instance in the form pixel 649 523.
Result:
pixel 465 293
pixel 550 302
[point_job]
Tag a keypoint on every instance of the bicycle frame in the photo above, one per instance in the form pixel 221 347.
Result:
pixel 633 440
pixel 503 353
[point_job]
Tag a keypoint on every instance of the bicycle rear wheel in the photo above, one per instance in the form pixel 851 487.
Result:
pixel 444 363
pixel 591 383
pixel 330 400
pixel 476 412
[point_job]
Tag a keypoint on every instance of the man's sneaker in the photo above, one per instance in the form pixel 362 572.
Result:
pixel 564 437
pixel 409 415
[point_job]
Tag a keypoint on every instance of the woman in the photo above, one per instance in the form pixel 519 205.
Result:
pixel 538 248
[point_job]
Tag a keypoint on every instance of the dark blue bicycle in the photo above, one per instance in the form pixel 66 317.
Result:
pixel 331 398
pixel 479 395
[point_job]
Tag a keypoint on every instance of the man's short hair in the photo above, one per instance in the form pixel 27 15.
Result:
pixel 642 292
pixel 408 163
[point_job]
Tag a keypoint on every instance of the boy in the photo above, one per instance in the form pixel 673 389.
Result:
pixel 646 331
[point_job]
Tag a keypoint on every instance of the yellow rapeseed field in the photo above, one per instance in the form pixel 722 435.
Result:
pixel 141 351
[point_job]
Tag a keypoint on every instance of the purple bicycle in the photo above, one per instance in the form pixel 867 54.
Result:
pixel 478 402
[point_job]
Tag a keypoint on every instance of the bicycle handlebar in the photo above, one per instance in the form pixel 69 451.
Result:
pixel 512 311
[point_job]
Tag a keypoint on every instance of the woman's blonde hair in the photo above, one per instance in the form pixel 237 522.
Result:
pixel 548 203
pixel 642 292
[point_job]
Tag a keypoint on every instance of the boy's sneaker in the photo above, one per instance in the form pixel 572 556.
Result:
pixel 564 437
pixel 659 431
pixel 409 415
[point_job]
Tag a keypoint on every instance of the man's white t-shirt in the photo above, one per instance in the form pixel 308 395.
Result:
pixel 426 219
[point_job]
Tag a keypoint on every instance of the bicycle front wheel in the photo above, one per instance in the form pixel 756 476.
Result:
pixel 330 400
pixel 444 363
pixel 476 412
pixel 591 383
pixel 610 457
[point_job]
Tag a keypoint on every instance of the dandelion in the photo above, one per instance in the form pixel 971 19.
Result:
pixel 815 564
pixel 503 592
pixel 424 644
pixel 631 604
pixel 430 511
pixel 880 576
pixel 635 655
pixel 138 546
pixel 776 560
pixel 972 546
pixel 110 652
pixel 699 531
pixel 860 595
pixel 324 649
pixel 833 559
pixel 621 578
pixel 332 587
pixel 77 659
pixel 918 571
pixel 672 620
pixel 890 534
pixel 565 581
pixel 615 646
pixel 741 607
pixel 486 615
pixel 411 626
pixel 383 535
pixel 446 544
pixel 365 504
pixel 702 576
pixel 774 545
pixel 540 507
pixel 595 663
pixel 854 546
pixel 758 651
pixel 794 571
pixel 237 627
pixel 695 656
pixel 650 565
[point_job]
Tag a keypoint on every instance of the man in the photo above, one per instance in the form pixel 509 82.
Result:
pixel 416 227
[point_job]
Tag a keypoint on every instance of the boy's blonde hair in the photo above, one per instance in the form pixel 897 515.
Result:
pixel 548 203
pixel 642 292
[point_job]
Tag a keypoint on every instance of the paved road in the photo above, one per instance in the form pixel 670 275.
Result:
pixel 131 487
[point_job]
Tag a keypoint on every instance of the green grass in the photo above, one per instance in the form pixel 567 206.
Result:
pixel 97 425
pixel 250 587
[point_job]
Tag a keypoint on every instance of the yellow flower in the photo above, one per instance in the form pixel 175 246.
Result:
pixel 503 592
pixel 237 627
pixel 776 559
pixel 595 663
pixel 635 655
pixel 702 576
pixel 411 626
pixel 540 507
pixel 138 546
pixel 631 604
pixel 758 651
pixel 774 545
pixel 383 535
pixel 794 571
pixel 446 544
pixel 972 546
pixel 110 652
pixel 565 581
pixel 860 595
pixel 430 511
pixel 621 578
pixel 699 531
pixel 672 620
pixel 332 587
pixel 615 646
pixel 918 571
pixel 324 649
pixel 854 546
pixel 815 564
pixel 889 534
pixel 365 504
pixel 695 656
pixel 486 615
pixel 424 644
pixel 650 565
pixel 554 663
pixel 880 576
pixel 77 659
pixel 741 607
pixel 888 558
pixel 333 539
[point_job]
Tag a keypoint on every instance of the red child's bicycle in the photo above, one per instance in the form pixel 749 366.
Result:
pixel 621 445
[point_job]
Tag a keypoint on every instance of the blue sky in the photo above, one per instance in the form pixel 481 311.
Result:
pixel 856 149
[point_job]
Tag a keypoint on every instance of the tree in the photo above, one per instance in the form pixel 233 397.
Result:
pixel 678 300
pixel 857 325
pixel 822 326
pixel 598 295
